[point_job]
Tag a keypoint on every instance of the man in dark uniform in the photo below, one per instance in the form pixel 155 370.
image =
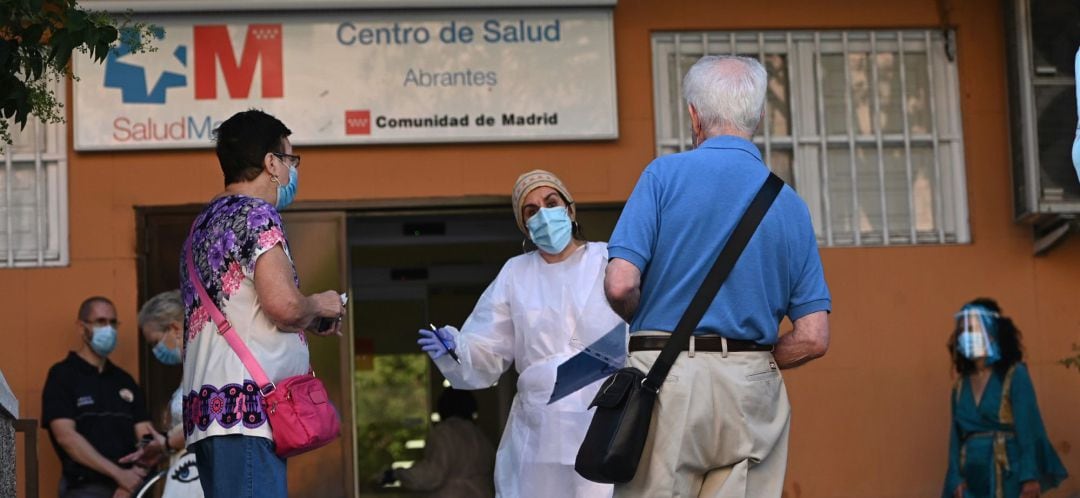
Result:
pixel 95 412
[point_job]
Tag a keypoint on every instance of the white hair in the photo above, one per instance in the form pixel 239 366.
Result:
pixel 726 90
pixel 162 310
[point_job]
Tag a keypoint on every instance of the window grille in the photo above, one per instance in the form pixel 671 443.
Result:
pixel 33 195
pixel 1042 40
pixel 865 125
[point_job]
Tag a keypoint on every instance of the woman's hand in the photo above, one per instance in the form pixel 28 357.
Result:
pixel 435 342
pixel 327 306
pixel 1031 489
pixel 959 492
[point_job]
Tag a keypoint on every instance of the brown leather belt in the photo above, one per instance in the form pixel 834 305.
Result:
pixel 701 343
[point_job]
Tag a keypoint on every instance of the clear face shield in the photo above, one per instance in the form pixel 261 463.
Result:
pixel 978 335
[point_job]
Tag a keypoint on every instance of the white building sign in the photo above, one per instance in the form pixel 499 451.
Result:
pixel 358 77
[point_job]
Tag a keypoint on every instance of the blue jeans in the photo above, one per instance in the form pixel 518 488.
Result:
pixel 238 466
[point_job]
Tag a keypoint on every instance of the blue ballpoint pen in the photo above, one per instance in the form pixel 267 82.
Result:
pixel 448 348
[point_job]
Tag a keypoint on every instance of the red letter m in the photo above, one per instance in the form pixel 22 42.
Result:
pixel 212 44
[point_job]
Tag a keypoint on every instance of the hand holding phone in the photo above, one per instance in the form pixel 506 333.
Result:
pixel 327 323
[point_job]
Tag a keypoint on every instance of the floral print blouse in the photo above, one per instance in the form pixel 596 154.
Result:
pixel 221 398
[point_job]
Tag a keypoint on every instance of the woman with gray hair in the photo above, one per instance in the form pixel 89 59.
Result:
pixel 161 320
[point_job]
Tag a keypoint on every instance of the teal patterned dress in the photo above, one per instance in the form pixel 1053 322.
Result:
pixel 1000 442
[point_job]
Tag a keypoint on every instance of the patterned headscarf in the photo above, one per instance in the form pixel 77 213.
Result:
pixel 978 338
pixel 531 181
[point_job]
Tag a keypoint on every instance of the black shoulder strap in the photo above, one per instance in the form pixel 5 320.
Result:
pixel 680 338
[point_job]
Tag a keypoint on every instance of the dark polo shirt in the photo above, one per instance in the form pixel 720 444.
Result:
pixel 105 406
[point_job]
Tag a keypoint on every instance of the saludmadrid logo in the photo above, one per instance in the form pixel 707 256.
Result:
pixel 212 49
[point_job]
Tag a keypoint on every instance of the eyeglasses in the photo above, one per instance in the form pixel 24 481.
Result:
pixel 294 159
pixel 101 322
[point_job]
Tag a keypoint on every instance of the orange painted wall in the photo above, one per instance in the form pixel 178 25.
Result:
pixel 870 419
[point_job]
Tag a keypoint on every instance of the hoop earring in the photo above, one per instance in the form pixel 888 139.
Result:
pixel 523 241
pixel 274 179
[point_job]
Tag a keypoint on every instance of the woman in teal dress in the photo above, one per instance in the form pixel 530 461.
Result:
pixel 998 446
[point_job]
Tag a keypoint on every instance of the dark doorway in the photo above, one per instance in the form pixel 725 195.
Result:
pixel 404 267
pixel 409 270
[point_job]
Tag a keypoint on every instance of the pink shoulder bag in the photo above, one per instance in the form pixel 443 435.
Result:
pixel 301 416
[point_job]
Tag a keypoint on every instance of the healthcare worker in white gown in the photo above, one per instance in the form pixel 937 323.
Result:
pixel 540 310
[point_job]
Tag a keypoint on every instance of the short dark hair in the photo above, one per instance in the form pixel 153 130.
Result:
pixel 243 141
pixel 456 403
pixel 1008 341
pixel 84 308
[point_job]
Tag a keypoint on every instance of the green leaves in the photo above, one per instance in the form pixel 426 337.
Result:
pixel 1073 361
pixel 37 39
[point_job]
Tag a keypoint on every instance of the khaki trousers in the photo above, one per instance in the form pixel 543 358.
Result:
pixel 719 429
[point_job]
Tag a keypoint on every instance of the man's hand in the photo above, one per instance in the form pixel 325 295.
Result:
pixel 122 493
pixel 81 451
pixel 147 456
pixel 150 449
pixel 1031 489
pixel 130 479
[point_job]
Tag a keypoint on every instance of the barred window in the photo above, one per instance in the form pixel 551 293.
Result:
pixel 865 125
pixel 33 195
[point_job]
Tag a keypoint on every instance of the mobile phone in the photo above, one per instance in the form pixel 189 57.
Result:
pixel 327 322
pixel 324 324
pixel 145 440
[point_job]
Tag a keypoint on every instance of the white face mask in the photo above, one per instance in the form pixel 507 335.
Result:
pixel 976 340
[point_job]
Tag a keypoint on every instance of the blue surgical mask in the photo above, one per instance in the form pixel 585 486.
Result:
pixel 103 339
pixel 286 193
pixel 550 229
pixel 165 354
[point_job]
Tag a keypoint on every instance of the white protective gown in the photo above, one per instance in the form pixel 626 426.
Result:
pixel 536 315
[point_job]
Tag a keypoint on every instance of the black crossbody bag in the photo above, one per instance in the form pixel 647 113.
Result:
pixel 612 447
